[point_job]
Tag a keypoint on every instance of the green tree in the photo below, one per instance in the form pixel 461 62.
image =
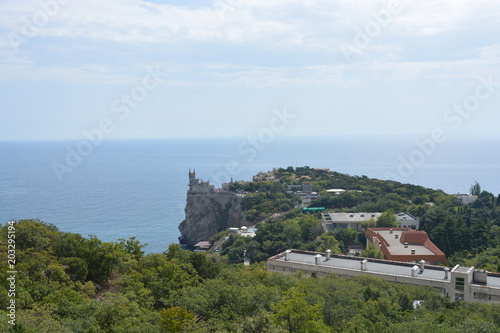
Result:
pixel 292 231
pixel 76 268
pixel 475 189
pixel 176 319
pixel 36 235
pixel 372 252
pixel 132 246
pixel 310 227
pixel 433 217
pixel 480 234
pixel 387 219
pixel 346 236
pixel 371 223
pixel 328 242
pixel 204 265
pixel 296 315
pixel 38 320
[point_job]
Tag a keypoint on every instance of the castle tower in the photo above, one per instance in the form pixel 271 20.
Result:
pixel 193 182
pixel 198 186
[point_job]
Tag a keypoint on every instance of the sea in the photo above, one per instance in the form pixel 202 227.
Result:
pixel 118 189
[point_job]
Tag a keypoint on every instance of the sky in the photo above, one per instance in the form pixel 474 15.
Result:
pixel 161 69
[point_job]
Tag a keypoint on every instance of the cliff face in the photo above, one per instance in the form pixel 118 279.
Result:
pixel 209 213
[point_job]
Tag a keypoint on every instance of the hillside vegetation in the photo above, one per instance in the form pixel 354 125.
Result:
pixel 68 283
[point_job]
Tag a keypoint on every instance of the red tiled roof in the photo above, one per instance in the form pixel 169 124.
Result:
pixel 414 237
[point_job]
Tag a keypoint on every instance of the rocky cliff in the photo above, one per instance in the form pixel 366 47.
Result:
pixel 208 211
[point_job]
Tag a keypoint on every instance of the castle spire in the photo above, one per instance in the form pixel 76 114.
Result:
pixel 192 174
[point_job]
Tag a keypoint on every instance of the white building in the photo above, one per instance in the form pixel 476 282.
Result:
pixel 335 191
pixel 465 198
pixel 459 283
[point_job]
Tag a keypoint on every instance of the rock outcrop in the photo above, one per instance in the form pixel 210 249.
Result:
pixel 208 211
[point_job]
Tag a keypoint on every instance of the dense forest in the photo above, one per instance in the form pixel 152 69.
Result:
pixel 65 282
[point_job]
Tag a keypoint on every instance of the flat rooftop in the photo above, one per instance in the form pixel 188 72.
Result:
pixel 398 248
pixel 393 268
pixel 462 269
pixel 352 217
pixel 360 217
pixel 378 266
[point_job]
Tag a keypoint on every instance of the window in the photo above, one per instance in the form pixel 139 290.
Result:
pixel 459 284
pixel 440 290
pixel 482 296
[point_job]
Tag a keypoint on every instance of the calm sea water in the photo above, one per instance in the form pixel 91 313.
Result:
pixel 127 188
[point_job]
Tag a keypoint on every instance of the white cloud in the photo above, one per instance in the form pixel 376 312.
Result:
pixel 254 34
pixel 137 20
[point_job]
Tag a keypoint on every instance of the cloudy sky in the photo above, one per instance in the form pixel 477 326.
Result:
pixel 171 68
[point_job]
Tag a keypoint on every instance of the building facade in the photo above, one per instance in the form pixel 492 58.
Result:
pixel 457 283
pixel 354 221
pixel 465 198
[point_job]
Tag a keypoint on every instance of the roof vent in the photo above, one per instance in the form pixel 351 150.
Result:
pixel 396 236
pixel 422 265
pixel 414 270
pixel 287 255
pixel 328 253
pixel 317 259
pixel 412 251
pixel 446 272
pixel 363 265
pixel 390 231
pixel 406 245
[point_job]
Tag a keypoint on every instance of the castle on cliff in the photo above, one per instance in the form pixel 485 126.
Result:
pixel 198 185
pixel 208 211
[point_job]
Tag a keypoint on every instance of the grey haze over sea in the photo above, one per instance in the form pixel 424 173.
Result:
pixel 127 188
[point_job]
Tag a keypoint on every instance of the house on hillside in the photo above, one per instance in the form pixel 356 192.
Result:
pixel 335 221
pixel 405 244
pixel 465 198
pixel 305 192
